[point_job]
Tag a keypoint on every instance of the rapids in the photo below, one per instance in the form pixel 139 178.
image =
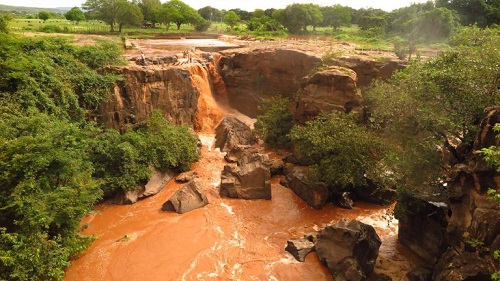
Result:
pixel 229 239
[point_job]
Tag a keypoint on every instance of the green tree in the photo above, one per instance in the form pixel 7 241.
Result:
pixel 231 18
pixel 336 16
pixel 437 103
pixel 344 153
pixel 295 18
pixel 46 190
pixel 151 11
pixel 275 122
pixel 4 22
pixel 107 10
pixel 179 13
pixel 75 14
pixel 130 15
pixel 44 15
pixel 371 19
pixel 211 14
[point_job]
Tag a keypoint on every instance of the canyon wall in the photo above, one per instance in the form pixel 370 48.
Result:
pixel 456 227
pixel 183 94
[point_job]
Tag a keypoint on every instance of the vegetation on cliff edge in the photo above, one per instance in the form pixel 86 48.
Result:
pixel 54 162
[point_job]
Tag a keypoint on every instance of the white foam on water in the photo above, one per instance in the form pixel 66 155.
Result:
pixel 229 209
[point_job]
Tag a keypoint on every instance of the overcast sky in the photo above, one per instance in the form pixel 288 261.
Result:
pixel 248 5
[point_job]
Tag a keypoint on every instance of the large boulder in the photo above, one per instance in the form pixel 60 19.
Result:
pixel 328 90
pixel 314 194
pixel 231 132
pixel 422 225
pixel 253 74
pixel 187 198
pixel 156 183
pixel 349 250
pixel 249 179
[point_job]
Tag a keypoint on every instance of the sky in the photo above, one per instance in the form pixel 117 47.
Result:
pixel 248 5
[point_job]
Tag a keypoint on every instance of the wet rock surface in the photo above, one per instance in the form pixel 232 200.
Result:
pixel 187 198
pixel 299 248
pixel 156 183
pixel 314 194
pixel 349 249
pixel 232 132
pixel 249 179
pixel 251 75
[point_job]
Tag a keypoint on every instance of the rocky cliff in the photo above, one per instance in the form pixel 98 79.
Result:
pixel 251 75
pixel 183 94
pixel 458 230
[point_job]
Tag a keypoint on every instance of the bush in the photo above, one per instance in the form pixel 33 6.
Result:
pixel 202 25
pixel 342 151
pixel 275 122
pixel 51 28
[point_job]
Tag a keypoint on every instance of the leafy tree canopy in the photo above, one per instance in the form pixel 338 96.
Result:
pixel 75 14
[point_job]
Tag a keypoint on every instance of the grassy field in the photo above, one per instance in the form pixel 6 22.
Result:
pixel 364 39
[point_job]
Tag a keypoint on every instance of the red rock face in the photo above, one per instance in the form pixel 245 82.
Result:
pixel 327 90
pixel 262 73
pixel 143 90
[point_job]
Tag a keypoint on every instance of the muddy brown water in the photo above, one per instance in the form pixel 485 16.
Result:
pixel 228 239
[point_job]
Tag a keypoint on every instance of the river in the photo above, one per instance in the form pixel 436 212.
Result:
pixel 229 239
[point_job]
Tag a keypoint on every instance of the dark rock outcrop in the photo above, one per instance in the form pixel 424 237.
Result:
pixel 375 193
pixel 314 194
pixel 457 266
pixel 187 198
pixel 461 228
pixel 249 179
pixel 328 90
pixel 349 249
pixel 232 132
pixel 251 75
pixel 299 248
pixel 422 226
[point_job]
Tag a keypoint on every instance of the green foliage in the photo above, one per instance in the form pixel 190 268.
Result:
pixel 275 122
pixel 168 146
pixel 231 18
pixel 46 74
pixel 202 25
pixel 344 153
pixel 103 54
pixel 46 189
pixel 436 104
pixel 4 22
pixel 179 13
pixel 124 161
pixel 336 16
pixel 492 155
pixel 55 164
pixel 51 28
pixel 43 15
pixel 75 14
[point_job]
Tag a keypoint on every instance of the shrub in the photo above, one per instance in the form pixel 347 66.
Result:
pixel 275 122
pixel 342 151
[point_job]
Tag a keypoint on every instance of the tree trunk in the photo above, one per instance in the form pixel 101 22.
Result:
pixel 112 25
pixel 178 26
pixel 120 27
